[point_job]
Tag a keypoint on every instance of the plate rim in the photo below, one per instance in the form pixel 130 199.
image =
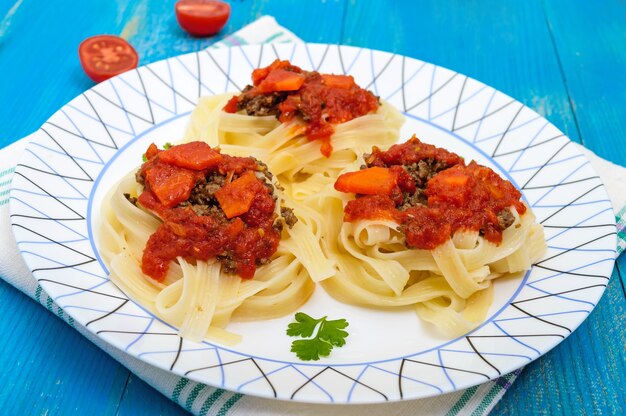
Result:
pixel 46 285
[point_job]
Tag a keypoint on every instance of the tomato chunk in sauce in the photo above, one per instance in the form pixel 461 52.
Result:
pixel 441 195
pixel 181 187
pixel 320 100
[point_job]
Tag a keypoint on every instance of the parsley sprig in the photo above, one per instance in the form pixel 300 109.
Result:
pixel 329 334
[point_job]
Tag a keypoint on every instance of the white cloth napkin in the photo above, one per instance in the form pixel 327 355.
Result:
pixel 201 399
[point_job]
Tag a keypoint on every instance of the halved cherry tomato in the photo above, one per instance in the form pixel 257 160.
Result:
pixel 105 56
pixel 202 17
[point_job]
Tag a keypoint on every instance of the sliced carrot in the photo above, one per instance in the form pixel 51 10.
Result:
pixel 260 74
pixel 236 197
pixel 281 80
pixel 454 179
pixel 370 181
pixel 170 184
pixel 231 105
pixel 234 228
pixel 193 155
pixel 152 151
pixel 338 81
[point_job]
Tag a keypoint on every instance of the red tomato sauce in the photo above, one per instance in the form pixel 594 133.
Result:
pixel 243 239
pixel 320 100
pixel 458 197
pixel 411 151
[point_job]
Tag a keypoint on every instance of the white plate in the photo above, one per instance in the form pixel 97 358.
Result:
pixel 390 355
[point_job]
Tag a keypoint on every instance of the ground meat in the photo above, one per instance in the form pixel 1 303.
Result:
pixel 262 261
pixel 202 199
pixel 262 104
pixel 229 265
pixel 263 174
pixel 139 178
pixel 505 218
pixel 212 210
pixel 130 199
pixel 288 216
pixel 263 168
pixel 268 183
pixel 412 200
pixel 204 191
pixel 420 172
pixel 423 170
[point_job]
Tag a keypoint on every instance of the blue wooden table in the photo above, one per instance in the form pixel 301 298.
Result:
pixel 564 59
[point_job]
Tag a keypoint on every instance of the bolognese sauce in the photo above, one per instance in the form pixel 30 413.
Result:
pixel 212 206
pixel 431 193
pixel 320 100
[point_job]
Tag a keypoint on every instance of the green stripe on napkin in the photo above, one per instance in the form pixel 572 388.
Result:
pixel 621 231
pixel 5 182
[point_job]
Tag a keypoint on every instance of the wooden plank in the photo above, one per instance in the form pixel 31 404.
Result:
pixel 590 43
pixel 8 9
pixel 39 60
pixel 505 44
pixel 48 367
pixel 151 26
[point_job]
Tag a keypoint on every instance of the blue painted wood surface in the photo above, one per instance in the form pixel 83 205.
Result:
pixel 564 59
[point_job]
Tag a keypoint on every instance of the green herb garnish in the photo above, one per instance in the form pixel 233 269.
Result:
pixel 329 334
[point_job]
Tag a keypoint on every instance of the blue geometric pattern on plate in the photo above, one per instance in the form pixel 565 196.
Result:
pixel 51 204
